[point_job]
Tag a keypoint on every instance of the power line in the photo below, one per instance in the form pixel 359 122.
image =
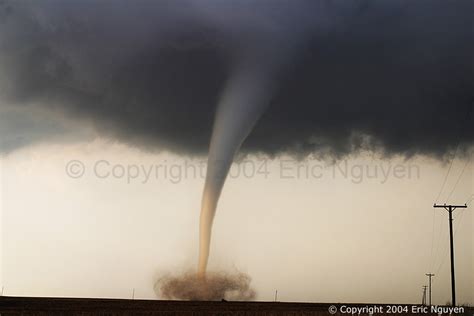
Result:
pixel 446 176
pixel 443 260
pixel 439 236
pixel 432 239
pixel 459 178
pixel 462 129
pixel 441 233
pixel 469 200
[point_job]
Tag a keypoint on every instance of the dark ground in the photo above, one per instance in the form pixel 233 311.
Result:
pixel 80 306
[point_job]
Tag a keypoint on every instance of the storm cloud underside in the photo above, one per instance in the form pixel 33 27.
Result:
pixel 386 75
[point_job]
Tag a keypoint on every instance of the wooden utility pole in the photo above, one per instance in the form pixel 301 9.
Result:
pixel 430 275
pixel 423 299
pixel 450 208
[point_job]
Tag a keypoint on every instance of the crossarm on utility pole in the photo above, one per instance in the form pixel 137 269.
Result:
pixel 447 207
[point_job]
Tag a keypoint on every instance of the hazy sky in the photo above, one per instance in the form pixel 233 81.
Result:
pixel 324 237
pixel 130 90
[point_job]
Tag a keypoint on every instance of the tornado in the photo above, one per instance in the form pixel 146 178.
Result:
pixel 246 95
pixel 242 102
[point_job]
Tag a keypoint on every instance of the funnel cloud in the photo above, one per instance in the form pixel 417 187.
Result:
pixel 243 101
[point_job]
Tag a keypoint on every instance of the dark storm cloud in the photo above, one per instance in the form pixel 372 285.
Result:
pixel 391 75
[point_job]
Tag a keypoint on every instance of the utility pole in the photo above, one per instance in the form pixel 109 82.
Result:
pixel 423 300
pixel 430 275
pixel 450 208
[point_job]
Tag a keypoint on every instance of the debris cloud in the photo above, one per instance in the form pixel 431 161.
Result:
pixel 215 286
